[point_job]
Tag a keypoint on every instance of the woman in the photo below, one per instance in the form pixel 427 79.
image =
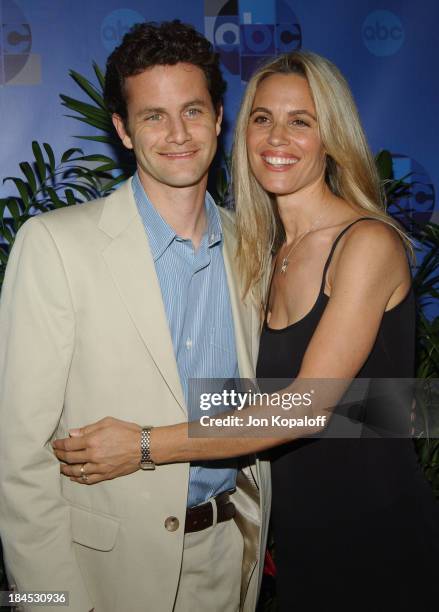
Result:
pixel 352 518
pixel 355 523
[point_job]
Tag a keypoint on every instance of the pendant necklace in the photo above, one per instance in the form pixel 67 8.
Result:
pixel 286 259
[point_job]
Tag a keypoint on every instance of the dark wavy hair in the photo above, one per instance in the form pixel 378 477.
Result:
pixel 151 44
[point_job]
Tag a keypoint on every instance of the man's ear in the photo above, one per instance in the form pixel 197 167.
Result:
pixel 219 119
pixel 121 130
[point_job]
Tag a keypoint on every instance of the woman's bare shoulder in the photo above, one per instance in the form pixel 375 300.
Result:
pixel 374 240
pixel 371 252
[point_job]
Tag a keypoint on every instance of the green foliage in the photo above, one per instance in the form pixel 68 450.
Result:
pixel 427 445
pixel 95 114
pixel 223 186
pixel 394 189
pixel 46 183
pixel 426 288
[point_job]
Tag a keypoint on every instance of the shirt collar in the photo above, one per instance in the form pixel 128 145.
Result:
pixel 160 234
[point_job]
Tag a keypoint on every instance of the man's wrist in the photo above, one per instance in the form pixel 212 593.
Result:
pixel 135 447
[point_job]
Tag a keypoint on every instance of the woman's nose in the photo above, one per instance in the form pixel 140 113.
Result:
pixel 278 135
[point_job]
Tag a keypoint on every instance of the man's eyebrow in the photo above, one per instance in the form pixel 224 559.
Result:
pixel 150 110
pixel 158 109
pixel 195 102
pixel 262 109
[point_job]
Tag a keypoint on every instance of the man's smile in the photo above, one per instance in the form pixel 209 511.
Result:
pixel 179 154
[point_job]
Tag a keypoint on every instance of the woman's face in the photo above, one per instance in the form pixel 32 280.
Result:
pixel 283 141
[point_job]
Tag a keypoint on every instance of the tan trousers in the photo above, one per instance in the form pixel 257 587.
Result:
pixel 210 579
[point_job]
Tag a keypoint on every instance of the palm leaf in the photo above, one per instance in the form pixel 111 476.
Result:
pixel 22 187
pixel 99 75
pixel 96 122
pixel 41 164
pixel 66 156
pixel 85 109
pixel 88 88
pixel 50 156
pixel 28 172
pixel 105 139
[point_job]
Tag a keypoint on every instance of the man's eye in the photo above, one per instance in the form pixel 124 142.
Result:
pixel 193 112
pixel 155 117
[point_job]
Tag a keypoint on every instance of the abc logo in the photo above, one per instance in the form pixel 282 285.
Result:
pixel 18 65
pixel 116 25
pixel 247 33
pixel 383 33
pixel 419 205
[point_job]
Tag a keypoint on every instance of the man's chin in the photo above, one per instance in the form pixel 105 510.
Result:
pixel 177 180
pixel 181 182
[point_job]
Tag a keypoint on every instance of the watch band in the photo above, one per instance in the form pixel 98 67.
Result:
pixel 146 463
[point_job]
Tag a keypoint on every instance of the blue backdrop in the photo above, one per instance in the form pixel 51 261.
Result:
pixel 388 51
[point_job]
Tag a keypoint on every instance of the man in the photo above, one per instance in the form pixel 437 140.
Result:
pixel 108 309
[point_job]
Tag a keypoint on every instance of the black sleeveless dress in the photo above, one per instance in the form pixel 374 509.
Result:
pixel 355 523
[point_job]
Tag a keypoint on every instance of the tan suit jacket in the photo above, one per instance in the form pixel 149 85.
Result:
pixel 84 335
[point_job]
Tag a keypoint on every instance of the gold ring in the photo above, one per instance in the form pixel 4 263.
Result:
pixel 83 476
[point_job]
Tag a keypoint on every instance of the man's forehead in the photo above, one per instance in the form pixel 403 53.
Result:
pixel 160 87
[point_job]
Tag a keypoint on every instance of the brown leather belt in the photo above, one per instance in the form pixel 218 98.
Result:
pixel 201 517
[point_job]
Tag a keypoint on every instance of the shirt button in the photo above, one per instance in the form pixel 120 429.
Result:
pixel 172 523
pixel 188 344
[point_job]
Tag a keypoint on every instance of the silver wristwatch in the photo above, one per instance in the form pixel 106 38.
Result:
pixel 146 463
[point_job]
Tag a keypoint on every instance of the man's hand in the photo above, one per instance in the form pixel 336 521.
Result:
pixel 100 451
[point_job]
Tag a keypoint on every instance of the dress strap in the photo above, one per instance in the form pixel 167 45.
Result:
pixel 334 246
pixel 325 269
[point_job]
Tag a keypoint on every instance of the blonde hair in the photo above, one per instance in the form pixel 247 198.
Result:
pixel 351 172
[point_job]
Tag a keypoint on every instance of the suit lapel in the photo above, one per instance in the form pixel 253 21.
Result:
pixel 246 342
pixel 131 266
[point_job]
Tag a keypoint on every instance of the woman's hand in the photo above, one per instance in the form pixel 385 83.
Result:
pixel 100 451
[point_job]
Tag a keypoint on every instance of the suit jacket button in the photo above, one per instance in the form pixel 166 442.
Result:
pixel 172 523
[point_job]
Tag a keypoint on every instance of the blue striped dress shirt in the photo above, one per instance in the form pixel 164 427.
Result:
pixel 197 305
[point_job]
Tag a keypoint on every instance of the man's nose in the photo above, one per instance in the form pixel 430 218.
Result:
pixel 178 131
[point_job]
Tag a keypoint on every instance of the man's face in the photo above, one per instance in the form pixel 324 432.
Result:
pixel 172 125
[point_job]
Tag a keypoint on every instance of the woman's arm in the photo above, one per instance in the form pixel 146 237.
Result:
pixel 369 274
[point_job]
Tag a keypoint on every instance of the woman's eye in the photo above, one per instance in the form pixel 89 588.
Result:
pixel 300 123
pixel 260 119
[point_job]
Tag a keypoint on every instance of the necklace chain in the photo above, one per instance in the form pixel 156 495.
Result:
pixel 286 259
